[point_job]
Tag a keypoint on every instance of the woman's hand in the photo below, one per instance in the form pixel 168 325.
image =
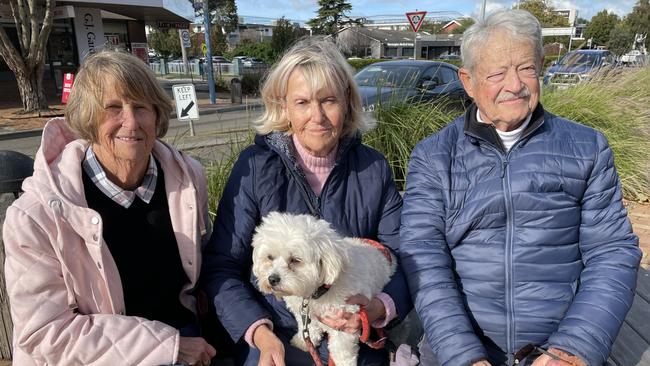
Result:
pixel 270 346
pixel 482 363
pixel 195 351
pixel 348 322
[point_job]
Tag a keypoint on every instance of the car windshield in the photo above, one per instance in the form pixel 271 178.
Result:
pixel 580 59
pixel 402 76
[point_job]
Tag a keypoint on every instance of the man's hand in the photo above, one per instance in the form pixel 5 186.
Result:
pixel 270 346
pixel 566 359
pixel 351 322
pixel 195 351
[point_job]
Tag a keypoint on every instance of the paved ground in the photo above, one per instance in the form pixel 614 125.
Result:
pixel 639 214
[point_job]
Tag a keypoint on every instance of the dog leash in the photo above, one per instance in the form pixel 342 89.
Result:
pixel 365 323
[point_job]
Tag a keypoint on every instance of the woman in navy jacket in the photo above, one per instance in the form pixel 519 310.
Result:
pixel 307 159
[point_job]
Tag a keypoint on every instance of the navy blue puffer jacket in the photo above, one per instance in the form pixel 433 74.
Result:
pixel 359 199
pixel 529 246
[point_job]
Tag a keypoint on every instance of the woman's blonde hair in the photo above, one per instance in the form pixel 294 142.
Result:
pixel 325 68
pixel 128 76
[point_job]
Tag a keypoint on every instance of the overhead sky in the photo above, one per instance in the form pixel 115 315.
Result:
pixel 306 9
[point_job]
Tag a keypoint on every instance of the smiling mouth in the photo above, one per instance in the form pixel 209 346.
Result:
pixel 129 139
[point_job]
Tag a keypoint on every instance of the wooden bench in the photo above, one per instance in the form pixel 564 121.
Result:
pixel 632 347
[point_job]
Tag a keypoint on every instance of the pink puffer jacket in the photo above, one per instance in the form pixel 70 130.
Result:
pixel 64 288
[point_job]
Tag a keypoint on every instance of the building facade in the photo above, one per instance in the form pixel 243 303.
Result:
pixel 82 27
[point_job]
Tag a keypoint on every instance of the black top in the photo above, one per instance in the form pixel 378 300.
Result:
pixel 142 242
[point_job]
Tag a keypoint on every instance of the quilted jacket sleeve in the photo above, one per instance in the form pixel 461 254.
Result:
pixel 611 256
pixel 47 331
pixel 227 260
pixel 427 262
pixel 388 233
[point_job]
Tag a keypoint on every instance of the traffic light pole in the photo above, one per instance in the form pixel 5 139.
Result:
pixel 208 54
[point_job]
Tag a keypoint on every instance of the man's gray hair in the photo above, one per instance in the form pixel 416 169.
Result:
pixel 517 23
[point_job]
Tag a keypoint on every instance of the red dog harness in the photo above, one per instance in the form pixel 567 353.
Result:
pixel 365 323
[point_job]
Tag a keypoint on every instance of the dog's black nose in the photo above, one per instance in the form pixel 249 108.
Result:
pixel 274 279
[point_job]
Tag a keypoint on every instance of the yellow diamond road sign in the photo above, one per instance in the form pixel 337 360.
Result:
pixel 416 18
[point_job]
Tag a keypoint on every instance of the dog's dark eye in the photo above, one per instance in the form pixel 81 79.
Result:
pixel 269 257
pixel 294 260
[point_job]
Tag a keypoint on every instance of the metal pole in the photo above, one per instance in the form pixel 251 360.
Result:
pixel 208 53
pixel 415 46
pixel 192 128
pixel 483 10
pixel 183 52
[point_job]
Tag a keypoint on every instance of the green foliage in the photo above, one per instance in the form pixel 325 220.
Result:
pixel 225 14
pixel 394 120
pixel 217 173
pixel 359 64
pixel 261 50
pixel 620 39
pixel 639 19
pixel 617 105
pixel 284 35
pixel 464 24
pixel 250 83
pixel 543 11
pixel 600 27
pixel 331 14
pixel 166 42
pixel 431 26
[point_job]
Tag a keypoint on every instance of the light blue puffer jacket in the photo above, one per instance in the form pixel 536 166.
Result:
pixel 530 246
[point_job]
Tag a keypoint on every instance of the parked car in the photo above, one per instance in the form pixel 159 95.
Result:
pixel 634 57
pixel 253 62
pixel 450 57
pixel 411 80
pixel 577 66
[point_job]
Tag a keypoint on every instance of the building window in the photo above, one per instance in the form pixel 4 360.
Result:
pixel 391 52
pixel 407 52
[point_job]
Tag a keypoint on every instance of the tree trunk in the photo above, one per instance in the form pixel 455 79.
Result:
pixel 30 85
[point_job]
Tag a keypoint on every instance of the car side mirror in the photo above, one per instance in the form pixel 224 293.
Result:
pixel 431 83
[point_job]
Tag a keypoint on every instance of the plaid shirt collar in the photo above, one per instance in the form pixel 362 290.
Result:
pixel 124 198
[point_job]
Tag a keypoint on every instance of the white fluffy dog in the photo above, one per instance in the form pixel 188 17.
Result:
pixel 296 256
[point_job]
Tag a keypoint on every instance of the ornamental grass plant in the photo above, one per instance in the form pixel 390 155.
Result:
pixel 617 103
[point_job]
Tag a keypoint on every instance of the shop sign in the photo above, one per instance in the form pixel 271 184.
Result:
pixel 140 50
pixel 68 80
pixel 89 31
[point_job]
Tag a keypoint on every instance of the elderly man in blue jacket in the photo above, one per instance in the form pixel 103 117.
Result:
pixel 514 239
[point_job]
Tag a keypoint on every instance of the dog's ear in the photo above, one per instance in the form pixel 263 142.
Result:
pixel 330 250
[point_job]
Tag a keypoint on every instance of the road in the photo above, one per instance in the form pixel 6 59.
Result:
pixel 214 135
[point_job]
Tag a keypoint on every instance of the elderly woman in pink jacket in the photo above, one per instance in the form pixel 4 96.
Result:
pixel 103 249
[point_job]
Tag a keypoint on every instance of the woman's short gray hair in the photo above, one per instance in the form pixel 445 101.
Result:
pixel 325 68
pixel 128 76
pixel 517 23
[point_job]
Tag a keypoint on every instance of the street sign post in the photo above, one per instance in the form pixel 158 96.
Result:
pixel 187 107
pixel 416 18
pixel 185 37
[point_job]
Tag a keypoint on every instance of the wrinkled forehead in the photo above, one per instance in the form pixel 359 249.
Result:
pixel 505 49
pixel 321 81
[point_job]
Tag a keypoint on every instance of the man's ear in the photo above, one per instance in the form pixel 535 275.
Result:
pixel 466 79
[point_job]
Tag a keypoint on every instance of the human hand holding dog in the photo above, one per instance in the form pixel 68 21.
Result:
pixel 195 351
pixel 351 322
pixel 270 346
